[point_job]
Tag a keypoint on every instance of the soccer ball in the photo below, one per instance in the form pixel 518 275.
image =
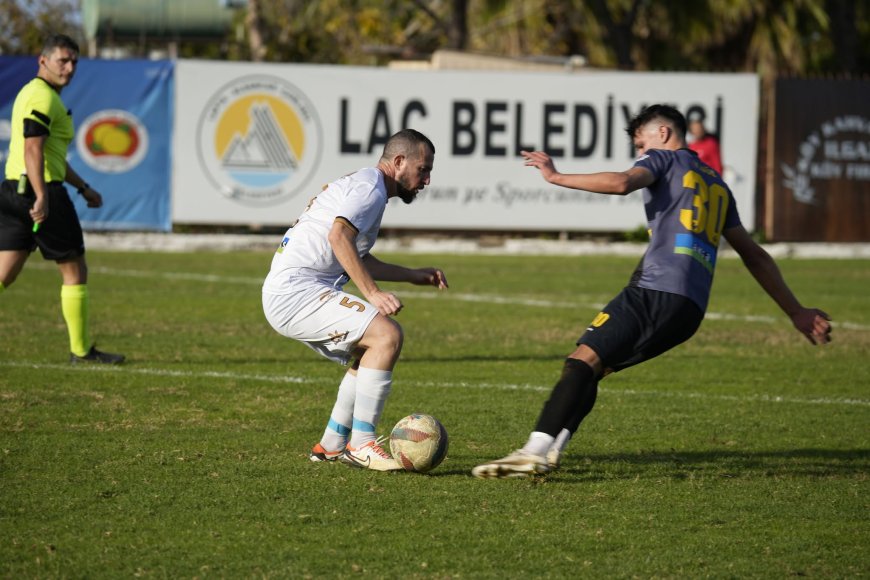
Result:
pixel 419 442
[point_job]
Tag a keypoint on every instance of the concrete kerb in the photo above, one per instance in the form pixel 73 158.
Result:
pixel 159 242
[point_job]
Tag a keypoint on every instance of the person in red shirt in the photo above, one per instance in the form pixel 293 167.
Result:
pixel 705 144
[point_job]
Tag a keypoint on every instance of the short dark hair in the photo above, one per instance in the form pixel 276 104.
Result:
pixel 56 41
pixel 406 142
pixel 655 112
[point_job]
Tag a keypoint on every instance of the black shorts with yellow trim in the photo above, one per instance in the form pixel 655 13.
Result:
pixel 60 235
pixel 640 324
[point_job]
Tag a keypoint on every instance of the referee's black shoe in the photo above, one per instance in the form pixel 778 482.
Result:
pixel 97 356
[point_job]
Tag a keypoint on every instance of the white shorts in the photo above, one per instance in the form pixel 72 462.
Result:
pixel 327 320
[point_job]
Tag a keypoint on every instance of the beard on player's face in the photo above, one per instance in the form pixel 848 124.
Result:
pixel 404 190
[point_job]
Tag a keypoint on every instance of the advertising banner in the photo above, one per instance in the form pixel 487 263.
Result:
pixel 122 112
pixel 820 172
pixel 254 142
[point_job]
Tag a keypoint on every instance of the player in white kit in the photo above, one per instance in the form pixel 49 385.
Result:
pixel 303 297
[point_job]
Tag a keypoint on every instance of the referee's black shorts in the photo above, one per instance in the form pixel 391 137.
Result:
pixel 60 235
pixel 640 324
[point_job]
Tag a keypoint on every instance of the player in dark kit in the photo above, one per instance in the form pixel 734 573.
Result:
pixel 688 209
pixel 35 209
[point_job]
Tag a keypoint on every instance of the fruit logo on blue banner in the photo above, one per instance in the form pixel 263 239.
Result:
pixel 112 141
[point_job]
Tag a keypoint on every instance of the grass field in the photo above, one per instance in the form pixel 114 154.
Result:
pixel 743 453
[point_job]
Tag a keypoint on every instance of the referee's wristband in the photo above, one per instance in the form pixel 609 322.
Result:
pixel 81 190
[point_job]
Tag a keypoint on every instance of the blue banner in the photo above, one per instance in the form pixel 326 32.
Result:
pixel 122 112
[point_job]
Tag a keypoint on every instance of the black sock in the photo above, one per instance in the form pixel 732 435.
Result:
pixel 571 399
pixel 591 393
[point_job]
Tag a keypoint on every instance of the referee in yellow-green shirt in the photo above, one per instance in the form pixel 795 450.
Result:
pixel 35 209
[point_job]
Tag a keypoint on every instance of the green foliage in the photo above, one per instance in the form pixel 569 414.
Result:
pixel 776 37
pixel 786 36
pixel 336 32
pixel 743 453
pixel 639 235
pixel 25 24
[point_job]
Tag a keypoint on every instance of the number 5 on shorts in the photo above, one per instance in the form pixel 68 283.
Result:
pixel 348 303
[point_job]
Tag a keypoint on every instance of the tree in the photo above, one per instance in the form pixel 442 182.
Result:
pixel 253 27
pixel 454 26
pixel 619 20
pixel 851 54
pixel 25 25
pixel 771 37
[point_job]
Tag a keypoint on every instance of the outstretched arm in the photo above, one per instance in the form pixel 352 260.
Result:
pixel 609 182
pixel 395 273
pixel 811 322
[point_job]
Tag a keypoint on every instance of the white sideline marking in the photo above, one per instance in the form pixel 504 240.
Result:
pixel 762 398
pixel 494 299
pixel 177 276
pixel 462 297
pixel 156 372
pixel 680 395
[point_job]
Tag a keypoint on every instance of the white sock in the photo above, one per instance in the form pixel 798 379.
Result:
pixel 340 421
pixel 538 443
pixel 561 441
pixel 372 389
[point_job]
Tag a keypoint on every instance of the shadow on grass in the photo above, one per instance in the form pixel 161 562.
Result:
pixel 796 463
pixel 485 358
pixel 813 463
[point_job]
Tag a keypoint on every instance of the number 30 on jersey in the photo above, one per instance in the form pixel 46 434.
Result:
pixel 709 207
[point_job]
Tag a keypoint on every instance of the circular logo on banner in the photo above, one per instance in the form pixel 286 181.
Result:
pixel 835 150
pixel 112 141
pixel 258 140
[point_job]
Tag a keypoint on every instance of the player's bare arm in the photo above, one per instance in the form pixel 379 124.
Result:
pixel 811 322
pixel 395 273
pixel 607 182
pixel 342 239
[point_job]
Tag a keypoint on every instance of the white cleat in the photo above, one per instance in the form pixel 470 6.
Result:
pixel 554 459
pixel 517 464
pixel 370 456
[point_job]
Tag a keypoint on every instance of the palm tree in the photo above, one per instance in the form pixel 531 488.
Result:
pixel 770 37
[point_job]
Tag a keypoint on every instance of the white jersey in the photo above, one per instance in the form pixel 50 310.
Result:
pixel 305 255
